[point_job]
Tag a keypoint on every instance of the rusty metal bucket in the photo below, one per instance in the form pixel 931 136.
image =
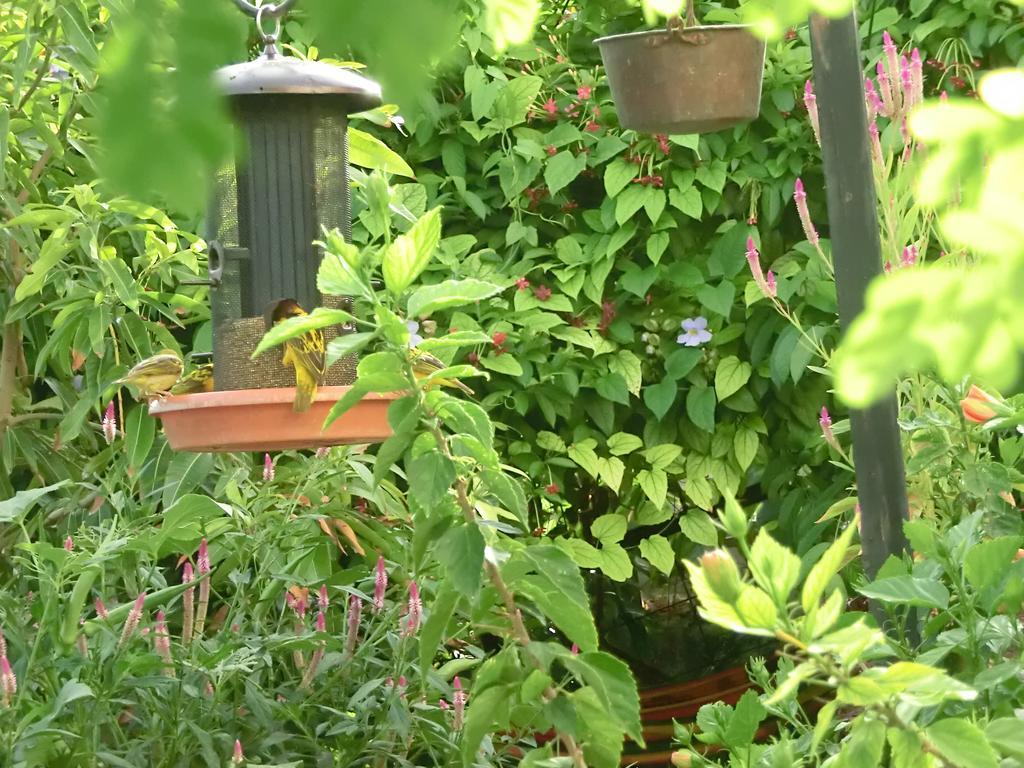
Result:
pixel 685 79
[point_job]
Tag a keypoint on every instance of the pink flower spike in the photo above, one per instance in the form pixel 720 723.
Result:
pixel 402 682
pixel 872 100
pixel 916 77
pixel 322 452
pixel 443 705
pixel 769 281
pixel 412 622
pixel 109 423
pixel 943 97
pixel 811 104
pixel 574 650
pixel 8 681
pixel 825 422
pixel 458 704
pixel 380 584
pixel 101 609
pixel 132 621
pixel 355 610
pixel 162 643
pixel 891 55
pixel 321 622
pixel 323 601
pixel 69 544
pixel 876 145
pixel 754 261
pixel 800 197
pixel 237 757
pixel 887 267
pixel 203 558
pixel 268 468
pixel 3 645
pixel 885 91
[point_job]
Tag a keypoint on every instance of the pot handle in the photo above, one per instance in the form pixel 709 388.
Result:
pixel 680 29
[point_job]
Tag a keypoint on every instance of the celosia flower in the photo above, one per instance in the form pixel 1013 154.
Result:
pixel 268 468
pixel 811 104
pixel 203 566
pixel 978 405
pixel 8 681
pixel 187 604
pixel 906 85
pixel 892 63
pixel 323 601
pixel 415 613
pixel 237 757
pixel 721 574
pixel 917 77
pixel 322 452
pixel 458 704
pixel 69 544
pixel 909 257
pixel 574 650
pixel 414 333
pixel 885 91
pixel 825 422
pixel 695 332
pixel 162 643
pixel 101 609
pixel 754 262
pixel 109 423
pixel 355 611
pixel 876 145
pixel 800 198
pixel 3 644
pixel 443 705
pixel 132 621
pixel 380 584
pixel 769 281
pixel 871 99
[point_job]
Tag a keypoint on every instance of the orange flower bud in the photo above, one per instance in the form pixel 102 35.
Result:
pixel 722 575
pixel 681 759
pixel 976 406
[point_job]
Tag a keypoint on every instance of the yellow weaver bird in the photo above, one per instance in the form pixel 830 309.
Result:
pixel 424 364
pixel 199 379
pixel 306 354
pixel 155 375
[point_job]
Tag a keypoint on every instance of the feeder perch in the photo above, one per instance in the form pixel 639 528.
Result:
pixel 287 182
pixel 685 78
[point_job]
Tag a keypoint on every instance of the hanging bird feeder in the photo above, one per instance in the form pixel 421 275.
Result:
pixel 686 78
pixel 288 181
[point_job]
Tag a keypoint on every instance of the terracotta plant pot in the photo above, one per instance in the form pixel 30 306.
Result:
pixel 263 420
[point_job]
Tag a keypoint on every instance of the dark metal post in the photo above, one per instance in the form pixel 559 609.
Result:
pixel 856 251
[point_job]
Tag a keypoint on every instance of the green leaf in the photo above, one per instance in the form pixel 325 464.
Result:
pixel 505 364
pixel 451 293
pixel 718 299
pixel 687 200
pixel 656 245
pixel 461 551
pixel 617 176
pixel 185 473
pixel 613 682
pixel 1007 735
pixel 610 471
pixel 121 279
pixel 609 529
pixel 823 571
pixel 659 397
pixel 682 361
pixel 746 717
pixel 509 493
pixel 700 407
pixel 615 562
pixel 986 563
pixel 863 749
pixel 654 484
pixel 658 552
pixel 184 523
pixel 13 509
pixel 622 443
pixel 514 100
pixel 433 632
pixel 339 274
pixel 488 713
pixel 293 327
pixel 698 527
pixel 139 431
pixel 662 456
pixel 962 743
pixel 410 253
pixel 583 454
pixel 628 203
pixel 562 169
pixel 555 585
pixel 730 376
pixel 775 568
pixel 345 345
pixel 430 477
pixel 907 590
pixel 612 386
pixel 368 151
pixel 745 445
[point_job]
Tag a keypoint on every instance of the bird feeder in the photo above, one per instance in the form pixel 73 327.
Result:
pixel 287 182
pixel 686 78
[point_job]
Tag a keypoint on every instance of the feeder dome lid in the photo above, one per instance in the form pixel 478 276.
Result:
pixel 287 74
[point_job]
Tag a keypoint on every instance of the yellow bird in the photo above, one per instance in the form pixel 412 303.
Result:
pixel 306 354
pixel 155 375
pixel 199 379
pixel 424 364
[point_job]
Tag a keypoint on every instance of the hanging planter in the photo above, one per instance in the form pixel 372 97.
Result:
pixel 685 78
pixel 270 205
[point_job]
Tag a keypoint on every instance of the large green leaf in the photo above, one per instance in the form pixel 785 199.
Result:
pixel 139 432
pixel 13 509
pixel 614 685
pixel 908 590
pixel 562 169
pixel 962 743
pixel 730 376
pixel 185 472
pixel 368 151
pixel 658 552
pixel 548 576
pixel 461 551
pixel 410 253
pixel 451 293
pixel 293 327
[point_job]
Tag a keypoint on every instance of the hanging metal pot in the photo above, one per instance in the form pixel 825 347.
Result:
pixel 685 78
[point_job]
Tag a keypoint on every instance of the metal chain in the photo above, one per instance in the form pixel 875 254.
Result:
pixel 276 10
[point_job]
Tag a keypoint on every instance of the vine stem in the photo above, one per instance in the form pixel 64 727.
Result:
pixel 519 631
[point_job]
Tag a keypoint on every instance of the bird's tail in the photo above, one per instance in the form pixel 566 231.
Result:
pixel 305 391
